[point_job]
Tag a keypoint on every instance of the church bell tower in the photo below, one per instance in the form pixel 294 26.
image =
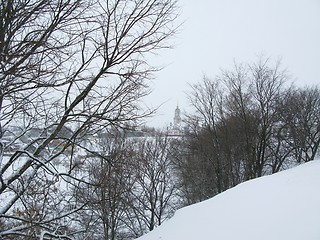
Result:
pixel 177 118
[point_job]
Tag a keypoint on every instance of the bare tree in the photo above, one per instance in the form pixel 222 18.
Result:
pixel 108 190
pixel 268 88
pixel 301 112
pixel 68 64
pixel 155 193
pixel 236 132
pixel 204 165
pixel 241 119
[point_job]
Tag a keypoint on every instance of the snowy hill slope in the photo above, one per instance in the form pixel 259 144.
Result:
pixel 283 206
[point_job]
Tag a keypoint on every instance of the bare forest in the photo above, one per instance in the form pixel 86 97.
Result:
pixel 248 122
pixel 71 69
pixel 75 162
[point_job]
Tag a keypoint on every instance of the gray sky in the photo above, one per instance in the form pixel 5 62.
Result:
pixel 217 33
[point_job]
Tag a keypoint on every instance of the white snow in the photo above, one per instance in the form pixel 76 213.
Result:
pixel 283 206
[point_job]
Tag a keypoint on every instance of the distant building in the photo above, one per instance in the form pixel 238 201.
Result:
pixel 177 118
pixel 17 138
pixel 175 129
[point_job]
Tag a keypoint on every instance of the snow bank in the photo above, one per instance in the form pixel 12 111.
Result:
pixel 283 206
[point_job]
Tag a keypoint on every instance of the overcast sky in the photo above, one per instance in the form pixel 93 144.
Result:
pixel 217 33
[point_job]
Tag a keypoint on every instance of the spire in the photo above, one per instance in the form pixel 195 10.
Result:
pixel 177 118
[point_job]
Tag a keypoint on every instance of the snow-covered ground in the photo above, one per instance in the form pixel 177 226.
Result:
pixel 283 206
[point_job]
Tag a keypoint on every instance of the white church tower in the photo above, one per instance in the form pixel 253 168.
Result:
pixel 175 129
pixel 177 118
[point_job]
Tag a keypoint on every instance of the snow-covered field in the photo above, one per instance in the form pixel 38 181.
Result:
pixel 283 206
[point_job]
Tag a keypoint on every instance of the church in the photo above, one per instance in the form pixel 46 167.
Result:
pixel 175 128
